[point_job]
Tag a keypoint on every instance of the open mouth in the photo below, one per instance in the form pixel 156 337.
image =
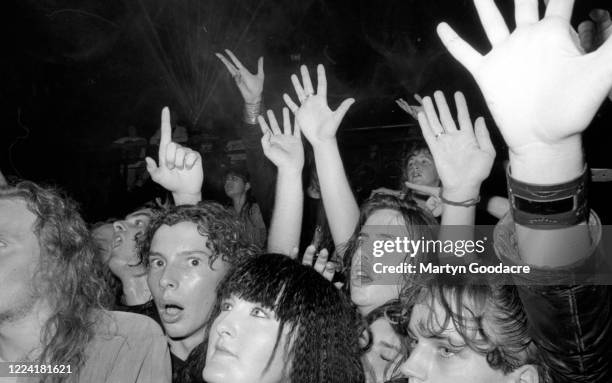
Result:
pixel 416 175
pixel 170 313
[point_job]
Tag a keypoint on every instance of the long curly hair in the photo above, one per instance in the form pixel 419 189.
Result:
pixel 487 314
pixel 225 235
pixel 68 276
pixel 323 325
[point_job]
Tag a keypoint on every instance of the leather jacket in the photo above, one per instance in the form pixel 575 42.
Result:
pixel 568 309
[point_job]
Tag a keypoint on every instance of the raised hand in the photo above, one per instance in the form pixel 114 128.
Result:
pixel 541 89
pixel 249 84
pixel 321 265
pixel 180 168
pixel 285 148
pixel 318 122
pixel 596 32
pixel 412 110
pixel 463 154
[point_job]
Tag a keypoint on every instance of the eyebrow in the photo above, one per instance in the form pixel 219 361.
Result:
pixel 422 330
pixel 181 254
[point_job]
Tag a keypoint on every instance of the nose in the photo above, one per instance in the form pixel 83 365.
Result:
pixel 168 279
pixel 226 324
pixel 119 226
pixel 415 367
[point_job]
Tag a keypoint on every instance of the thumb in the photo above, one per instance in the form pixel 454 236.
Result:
pixel 343 108
pixel 428 190
pixel 151 166
pixel 482 136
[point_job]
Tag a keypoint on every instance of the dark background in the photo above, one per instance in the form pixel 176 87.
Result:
pixel 75 74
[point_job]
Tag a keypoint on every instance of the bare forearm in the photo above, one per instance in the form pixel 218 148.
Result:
pixel 340 205
pixel 286 223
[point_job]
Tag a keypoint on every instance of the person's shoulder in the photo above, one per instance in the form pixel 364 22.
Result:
pixel 128 325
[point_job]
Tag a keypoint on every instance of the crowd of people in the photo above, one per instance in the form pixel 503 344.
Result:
pixel 198 291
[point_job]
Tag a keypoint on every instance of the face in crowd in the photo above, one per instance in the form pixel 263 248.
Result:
pixel 235 185
pixel 19 256
pixel 182 278
pixel 185 261
pixel 275 321
pixel 420 169
pixel 368 289
pixel 463 335
pixel 383 218
pixel 243 344
pixel 124 258
pixel 383 343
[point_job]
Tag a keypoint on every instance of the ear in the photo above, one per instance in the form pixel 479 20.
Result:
pixel 247 186
pixel 525 374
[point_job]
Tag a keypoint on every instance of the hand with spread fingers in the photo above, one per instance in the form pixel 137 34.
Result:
pixel 593 33
pixel 249 84
pixel 540 87
pixel 463 153
pixel 412 110
pixel 284 148
pixel 180 169
pixel 316 120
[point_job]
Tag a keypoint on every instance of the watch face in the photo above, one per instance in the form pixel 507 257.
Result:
pixel 562 205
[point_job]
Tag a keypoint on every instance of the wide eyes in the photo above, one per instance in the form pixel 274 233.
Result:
pixel 256 311
pixel 259 313
pixel 194 262
pixel 157 263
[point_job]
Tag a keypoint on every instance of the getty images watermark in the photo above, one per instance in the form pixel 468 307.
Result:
pixel 477 254
pixel 407 248
pixel 389 253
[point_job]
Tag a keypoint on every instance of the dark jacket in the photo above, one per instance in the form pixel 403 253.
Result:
pixel 569 310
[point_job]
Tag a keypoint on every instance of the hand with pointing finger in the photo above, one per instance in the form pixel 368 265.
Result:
pixel 179 169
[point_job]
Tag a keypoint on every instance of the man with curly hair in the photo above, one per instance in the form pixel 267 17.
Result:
pixel 187 250
pixel 52 297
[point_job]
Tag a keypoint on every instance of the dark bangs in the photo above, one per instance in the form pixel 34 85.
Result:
pixel 278 283
pixel 323 326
